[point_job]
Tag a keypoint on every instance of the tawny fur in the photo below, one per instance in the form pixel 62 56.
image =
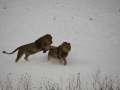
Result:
pixel 43 43
pixel 60 52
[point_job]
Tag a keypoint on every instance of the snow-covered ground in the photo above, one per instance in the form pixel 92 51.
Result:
pixel 91 26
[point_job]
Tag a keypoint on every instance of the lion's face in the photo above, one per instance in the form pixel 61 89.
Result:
pixel 66 47
pixel 47 40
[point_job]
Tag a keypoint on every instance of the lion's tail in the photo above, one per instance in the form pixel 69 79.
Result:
pixel 11 52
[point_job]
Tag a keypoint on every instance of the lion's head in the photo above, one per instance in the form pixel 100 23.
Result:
pixel 45 40
pixel 66 47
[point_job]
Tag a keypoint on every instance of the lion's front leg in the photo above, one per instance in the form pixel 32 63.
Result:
pixel 49 47
pixel 46 48
pixel 65 62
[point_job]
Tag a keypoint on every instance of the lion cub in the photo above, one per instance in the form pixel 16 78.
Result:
pixel 60 52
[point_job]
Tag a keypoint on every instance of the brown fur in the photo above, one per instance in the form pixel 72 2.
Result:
pixel 42 43
pixel 60 52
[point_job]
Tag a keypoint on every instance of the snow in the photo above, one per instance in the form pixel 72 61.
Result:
pixel 91 26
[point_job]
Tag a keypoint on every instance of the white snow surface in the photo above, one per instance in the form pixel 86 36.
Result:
pixel 91 26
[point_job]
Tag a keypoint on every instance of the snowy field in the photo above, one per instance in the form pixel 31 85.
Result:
pixel 91 26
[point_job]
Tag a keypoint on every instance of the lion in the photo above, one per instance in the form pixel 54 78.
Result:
pixel 60 52
pixel 43 43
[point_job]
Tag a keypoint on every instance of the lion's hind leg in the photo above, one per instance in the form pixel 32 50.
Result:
pixel 19 55
pixel 26 57
pixel 49 58
pixel 50 54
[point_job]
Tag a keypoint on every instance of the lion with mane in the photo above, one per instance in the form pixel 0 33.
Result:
pixel 41 44
pixel 60 52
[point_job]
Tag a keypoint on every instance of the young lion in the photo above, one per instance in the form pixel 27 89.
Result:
pixel 60 52
pixel 43 43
